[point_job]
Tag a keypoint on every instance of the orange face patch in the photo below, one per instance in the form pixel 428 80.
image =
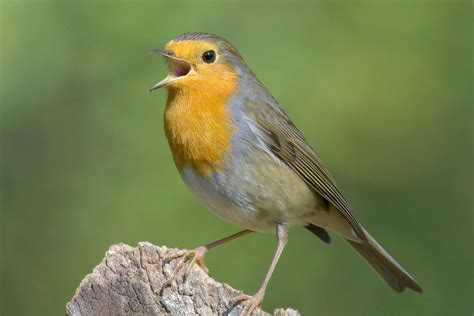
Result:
pixel 216 75
pixel 197 119
pixel 190 50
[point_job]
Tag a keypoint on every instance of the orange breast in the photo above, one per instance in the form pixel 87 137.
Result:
pixel 198 122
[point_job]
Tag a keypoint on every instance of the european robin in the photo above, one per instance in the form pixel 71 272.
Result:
pixel 241 155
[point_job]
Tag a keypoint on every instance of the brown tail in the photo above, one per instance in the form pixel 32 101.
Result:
pixel 385 265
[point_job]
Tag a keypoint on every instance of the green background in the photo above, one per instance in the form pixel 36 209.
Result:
pixel 382 90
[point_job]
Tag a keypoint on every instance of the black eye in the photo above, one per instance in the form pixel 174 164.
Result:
pixel 209 56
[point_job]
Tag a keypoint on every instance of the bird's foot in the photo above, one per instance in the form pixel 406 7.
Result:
pixel 188 258
pixel 250 302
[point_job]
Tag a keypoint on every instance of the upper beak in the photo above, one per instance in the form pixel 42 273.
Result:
pixel 179 68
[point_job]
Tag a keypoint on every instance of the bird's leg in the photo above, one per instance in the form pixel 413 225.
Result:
pixel 197 255
pixel 252 302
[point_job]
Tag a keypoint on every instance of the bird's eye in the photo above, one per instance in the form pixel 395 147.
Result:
pixel 209 56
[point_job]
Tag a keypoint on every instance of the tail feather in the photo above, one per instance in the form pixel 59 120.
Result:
pixel 385 265
pixel 320 232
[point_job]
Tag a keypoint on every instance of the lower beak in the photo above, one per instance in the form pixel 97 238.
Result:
pixel 163 83
pixel 179 68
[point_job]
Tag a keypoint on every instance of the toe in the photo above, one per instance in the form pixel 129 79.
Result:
pixel 242 297
pixel 250 303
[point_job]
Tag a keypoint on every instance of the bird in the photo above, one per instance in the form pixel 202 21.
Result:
pixel 241 155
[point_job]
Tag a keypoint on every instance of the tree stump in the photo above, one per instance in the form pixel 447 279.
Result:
pixel 129 281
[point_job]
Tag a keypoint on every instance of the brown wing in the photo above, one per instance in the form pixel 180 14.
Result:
pixel 287 143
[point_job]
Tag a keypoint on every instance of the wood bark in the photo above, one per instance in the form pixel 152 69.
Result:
pixel 129 281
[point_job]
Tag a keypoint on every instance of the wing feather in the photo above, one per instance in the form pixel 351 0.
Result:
pixel 288 144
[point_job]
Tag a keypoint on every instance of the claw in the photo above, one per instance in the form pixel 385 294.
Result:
pixel 238 299
pixel 176 255
pixel 192 256
pixel 190 266
pixel 251 302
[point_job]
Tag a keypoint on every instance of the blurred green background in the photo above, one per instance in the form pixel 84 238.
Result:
pixel 383 90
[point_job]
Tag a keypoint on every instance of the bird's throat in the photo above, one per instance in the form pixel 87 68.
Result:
pixel 199 127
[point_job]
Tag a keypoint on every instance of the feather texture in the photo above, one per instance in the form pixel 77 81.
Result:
pixel 287 143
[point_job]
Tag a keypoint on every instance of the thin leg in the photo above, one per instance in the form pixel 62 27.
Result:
pixel 227 239
pixel 197 255
pixel 199 252
pixel 252 302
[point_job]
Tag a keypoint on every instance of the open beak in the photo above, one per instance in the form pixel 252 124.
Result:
pixel 179 68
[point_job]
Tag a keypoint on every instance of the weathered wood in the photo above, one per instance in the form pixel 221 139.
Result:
pixel 128 281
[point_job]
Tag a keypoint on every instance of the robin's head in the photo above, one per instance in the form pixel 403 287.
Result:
pixel 199 61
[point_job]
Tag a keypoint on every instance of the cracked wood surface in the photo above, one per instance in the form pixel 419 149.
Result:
pixel 129 279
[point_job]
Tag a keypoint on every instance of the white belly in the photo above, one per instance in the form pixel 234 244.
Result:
pixel 220 204
pixel 256 196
